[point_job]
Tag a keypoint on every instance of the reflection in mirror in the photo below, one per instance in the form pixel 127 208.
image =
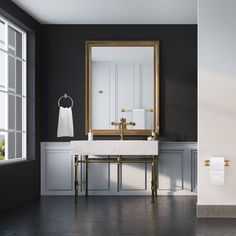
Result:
pixel 122 83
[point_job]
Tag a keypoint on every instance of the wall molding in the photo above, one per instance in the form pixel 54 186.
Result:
pixel 177 172
pixel 55 149
pixel 108 180
pixel 120 180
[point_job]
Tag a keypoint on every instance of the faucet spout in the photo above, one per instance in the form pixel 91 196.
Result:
pixel 122 126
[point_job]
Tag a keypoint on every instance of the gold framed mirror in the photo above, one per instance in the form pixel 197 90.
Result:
pixel 122 81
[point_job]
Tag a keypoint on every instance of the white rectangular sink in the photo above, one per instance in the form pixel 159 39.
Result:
pixel 114 147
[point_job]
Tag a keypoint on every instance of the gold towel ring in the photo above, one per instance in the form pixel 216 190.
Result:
pixel 65 96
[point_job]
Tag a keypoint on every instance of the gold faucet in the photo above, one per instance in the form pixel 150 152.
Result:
pixel 122 126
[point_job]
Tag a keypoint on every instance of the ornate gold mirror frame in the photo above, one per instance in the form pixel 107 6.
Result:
pixel 88 64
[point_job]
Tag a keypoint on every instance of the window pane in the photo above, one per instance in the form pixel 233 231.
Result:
pixel 3 109
pixel 12 87
pixel 18 145
pixel 11 112
pixel 12 51
pixel 11 145
pixel 18 77
pixel 2 146
pixel 18 113
pixel 3 57
pixel 11 72
pixel 2 34
pixel 19 44
pixel 11 37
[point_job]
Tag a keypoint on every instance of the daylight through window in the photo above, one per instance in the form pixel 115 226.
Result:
pixel 12 91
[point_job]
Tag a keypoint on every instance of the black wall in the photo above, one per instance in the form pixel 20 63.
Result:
pixel 63 71
pixel 20 182
pixel 56 65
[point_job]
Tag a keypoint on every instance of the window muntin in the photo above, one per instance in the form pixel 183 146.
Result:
pixel 12 92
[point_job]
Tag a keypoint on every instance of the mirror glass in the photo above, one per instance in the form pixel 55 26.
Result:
pixel 122 83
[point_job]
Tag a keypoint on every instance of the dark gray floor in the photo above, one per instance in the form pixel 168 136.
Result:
pixel 95 216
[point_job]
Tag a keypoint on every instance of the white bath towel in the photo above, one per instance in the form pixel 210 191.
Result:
pixel 65 122
pixel 139 118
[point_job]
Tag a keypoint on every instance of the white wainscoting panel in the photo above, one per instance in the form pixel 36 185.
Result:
pixel 98 177
pixel 57 169
pixel 171 170
pixel 177 168
pixel 177 173
pixel 127 180
pixel 56 179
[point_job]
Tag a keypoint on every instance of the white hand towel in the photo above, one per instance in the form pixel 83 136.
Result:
pixel 217 175
pixel 65 122
pixel 139 118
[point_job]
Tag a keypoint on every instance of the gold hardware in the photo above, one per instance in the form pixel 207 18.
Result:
pixel 154 179
pixel 65 96
pixel 154 135
pixel 130 110
pixel 122 126
pixel 207 162
pixel 226 162
pixel 118 160
pixel 86 176
pixel 76 178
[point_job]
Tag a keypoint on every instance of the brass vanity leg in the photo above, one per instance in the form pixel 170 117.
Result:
pixel 152 181
pixel 86 176
pixel 156 170
pixel 76 178
pixel 119 160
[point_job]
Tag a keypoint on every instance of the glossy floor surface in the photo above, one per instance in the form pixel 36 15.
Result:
pixel 105 216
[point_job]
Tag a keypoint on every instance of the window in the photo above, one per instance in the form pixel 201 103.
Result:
pixel 12 91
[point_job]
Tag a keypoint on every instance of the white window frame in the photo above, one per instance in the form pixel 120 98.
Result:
pixel 23 96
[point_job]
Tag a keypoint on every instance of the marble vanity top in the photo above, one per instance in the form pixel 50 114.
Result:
pixel 114 147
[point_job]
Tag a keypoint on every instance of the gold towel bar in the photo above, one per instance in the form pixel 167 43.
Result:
pixel 130 110
pixel 65 96
pixel 207 163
